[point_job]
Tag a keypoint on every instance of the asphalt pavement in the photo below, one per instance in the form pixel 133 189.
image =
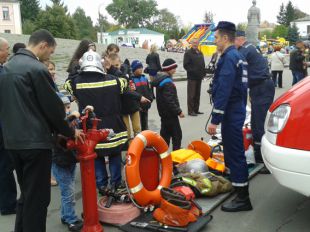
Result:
pixel 275 208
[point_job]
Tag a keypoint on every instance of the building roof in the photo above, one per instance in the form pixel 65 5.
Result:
pixel 307 18
pixel 134 31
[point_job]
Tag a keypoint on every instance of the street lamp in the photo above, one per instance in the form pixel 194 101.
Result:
pixel 100 23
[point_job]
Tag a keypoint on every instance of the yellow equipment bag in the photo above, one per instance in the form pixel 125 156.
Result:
pixel 184 155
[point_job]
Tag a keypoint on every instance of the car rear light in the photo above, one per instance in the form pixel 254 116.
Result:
pixel 278 118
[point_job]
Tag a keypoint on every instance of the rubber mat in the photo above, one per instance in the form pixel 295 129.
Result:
pixel 147 217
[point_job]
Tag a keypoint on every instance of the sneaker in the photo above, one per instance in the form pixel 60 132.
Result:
pixel 75 227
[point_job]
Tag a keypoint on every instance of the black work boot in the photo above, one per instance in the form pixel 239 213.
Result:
pixel 240 203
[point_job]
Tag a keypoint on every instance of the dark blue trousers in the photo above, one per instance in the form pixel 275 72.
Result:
pixel 233 143
pixel 8 191
pixel 261 98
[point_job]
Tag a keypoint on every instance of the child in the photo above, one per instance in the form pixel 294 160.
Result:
pixel 130 99
pixel 168 104
pixel 142 87
pixel 63 168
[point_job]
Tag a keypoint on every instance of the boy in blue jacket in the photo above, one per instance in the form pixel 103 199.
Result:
pixel 168 104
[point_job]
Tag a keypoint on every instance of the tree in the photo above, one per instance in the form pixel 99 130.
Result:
pixel 281 17
pixel 28 27
pixel 242 26
pixel 133 13
pixel 293 34
pixel 57 21
pixel 84 25
pixel 29 9
pixel 280 31
pixel 299 14
pixel 209 17
pixel 289 13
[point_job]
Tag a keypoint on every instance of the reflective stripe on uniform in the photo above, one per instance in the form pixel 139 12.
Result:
pixel 244 80
pixel 244 72
pixel 96 84
pixel 245 63
pixel 159 187
pixel 164 155
pixel 137 188
pixel 119 135
pixel 123 82
pixel 257 143
pixel 68 87
pixel 112 144
pixel 142 137
pixel 239 62
pixel 218 111
pixel 240 184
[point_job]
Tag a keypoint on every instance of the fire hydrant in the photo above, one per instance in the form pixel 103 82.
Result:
pixel 86 155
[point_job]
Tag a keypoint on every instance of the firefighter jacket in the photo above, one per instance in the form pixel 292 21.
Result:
pixel 227 84
pixel 103 92
pixel 257 65
pixel 166 96
pixel 143 87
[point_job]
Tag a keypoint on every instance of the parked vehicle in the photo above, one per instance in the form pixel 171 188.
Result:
pixel 286 143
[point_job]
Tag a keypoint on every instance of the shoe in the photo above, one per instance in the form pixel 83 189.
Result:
pixel 198 112
pixel 75 227
pixel 192 114
pixel 8 212
pixel 264 171
pixel 103 190
pixel 240 203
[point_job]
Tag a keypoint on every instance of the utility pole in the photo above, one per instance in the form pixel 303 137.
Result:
pixel 100 23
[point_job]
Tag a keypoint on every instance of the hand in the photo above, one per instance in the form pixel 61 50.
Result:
pixel 181 115
pixel 79 136
pixel 144 100
pixel 212 129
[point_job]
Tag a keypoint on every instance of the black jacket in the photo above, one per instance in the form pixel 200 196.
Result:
pixel 130 100
pixel 153 62
pixel 103 92
pixel 143 87
pixel 166 96
pixel 30 109
pixel 194 64
pixel 296 60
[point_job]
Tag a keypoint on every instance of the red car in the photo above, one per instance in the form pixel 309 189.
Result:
pixel 286 143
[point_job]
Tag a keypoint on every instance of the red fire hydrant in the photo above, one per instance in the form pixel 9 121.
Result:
pixel 86 155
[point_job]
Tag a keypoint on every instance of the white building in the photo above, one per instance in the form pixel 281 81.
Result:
pixel 10 17
pixel 129 37
pixel 303 26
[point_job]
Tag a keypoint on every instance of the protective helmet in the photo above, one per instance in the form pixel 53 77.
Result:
pixel 91 62
pixel 196 166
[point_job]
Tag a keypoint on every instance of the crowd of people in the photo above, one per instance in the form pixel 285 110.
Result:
pixel 34 131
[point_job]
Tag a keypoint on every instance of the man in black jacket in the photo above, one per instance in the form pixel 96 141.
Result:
pixel 8 191
pixel 194 64
pixel 297 59
pixel 30 112
pixel 168 105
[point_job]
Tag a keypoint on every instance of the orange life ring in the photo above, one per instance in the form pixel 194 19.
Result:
pixel 145 139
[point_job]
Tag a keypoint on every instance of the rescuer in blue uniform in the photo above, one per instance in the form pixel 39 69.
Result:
pixel 229 110
pixel 261 91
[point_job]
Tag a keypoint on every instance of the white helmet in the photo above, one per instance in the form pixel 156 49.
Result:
pixel 91 62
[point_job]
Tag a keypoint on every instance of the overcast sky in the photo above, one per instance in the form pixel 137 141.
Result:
pixel 192 11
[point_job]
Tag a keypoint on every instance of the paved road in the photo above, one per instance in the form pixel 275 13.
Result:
pixel 275 208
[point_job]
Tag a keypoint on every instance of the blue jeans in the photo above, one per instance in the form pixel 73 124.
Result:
pixel 115 167
pixel 297 76
pixel 65 178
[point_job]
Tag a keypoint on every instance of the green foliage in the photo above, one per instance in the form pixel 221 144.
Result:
pixel 57 21
pixel 28 27
pixel 280 31
pixel 281 17
pixel 242 26
pixel 84 25
pixel 266 33
pixel 133 13
pixel 289 13
pixel 293 34
pixel 29 10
